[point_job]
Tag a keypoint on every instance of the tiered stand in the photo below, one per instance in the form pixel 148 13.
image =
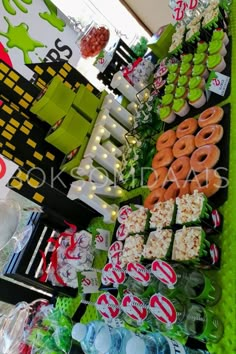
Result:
pixel 226 276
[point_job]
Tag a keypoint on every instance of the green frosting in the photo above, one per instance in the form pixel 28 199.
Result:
pixel 180 91
pixel 164 112
pixel 187 58
pixel 167 99
pixel 178 104
pixel 198 70
pixel 171 78
pixel 194 82
pixel 173 68
pixel 169 88
pixel 184 68
pixel 218 34
pixel 202 47
pixel 214 47
pixel 183 80
pixel 199 58
pixel 195 94
pixel 214 60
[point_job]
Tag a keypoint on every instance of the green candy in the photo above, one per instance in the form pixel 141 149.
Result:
pixel 171 78
pixel 194 94
pixel 167 99
pixel 218 34
pixel 199 58
pixel 178 104
pixel 187 58
pixel 180 91
pixel 194 82
pixel 202 47
pixel 213 60
pixel 173 67
pixel 164 112
pixel 169 88
pixel 184 68
pixel 183 80
pixel 198 70
pixel 214 47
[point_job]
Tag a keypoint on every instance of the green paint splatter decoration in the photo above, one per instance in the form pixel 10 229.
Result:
pixel 18 37
pixel 8 7
pixel 51 17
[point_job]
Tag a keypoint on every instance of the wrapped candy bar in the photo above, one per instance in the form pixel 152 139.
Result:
pixel 189 244
pixel 132 250
pixel 163 214
pixel 136 221
pixel 158 244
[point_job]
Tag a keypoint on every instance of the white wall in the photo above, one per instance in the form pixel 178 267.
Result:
pixel 153 13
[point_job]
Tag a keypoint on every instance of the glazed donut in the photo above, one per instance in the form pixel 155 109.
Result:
pixel 207 182
pixel 211 115
pixel 184 146
pixel 162 158
pixel 187 127
pixel 166 140
pixel 157 195
pixel 157 178
pixel 177 189
pixel 205 157
pixel 179 169
pixel 211 134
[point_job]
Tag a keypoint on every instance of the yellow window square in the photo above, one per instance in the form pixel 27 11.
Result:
pixel 38 197
pixel 77 84
pixel 6 135
pixel 42 81
pixel 40 85
pixel 10 129
pixel 67 84
pixel 90 87
pixel 10 146
pixel 28 97
pixel 18 90
pixel 2 123
pixel 33 183
pixel 51 71
pixel 24 115
pixel 15 107
pixel 4 68
pixel 22 176
pixel 1 144
pixel 23 103
pixel 67 67
pixel 38 70
pixel 29 163
pixel 7 154
pixel 31 143
pixel 14 122
pixel 1 76
pixel 14 76
pixel 7 109
pixel 63 72
pixel 50 156
pixel 28 124
pixel 15 183
pixel 38 156
pixel 9 82
pixel 25 130
pixel 18 161
pixel 60 78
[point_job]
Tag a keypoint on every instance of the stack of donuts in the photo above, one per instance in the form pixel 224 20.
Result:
pixel 186 158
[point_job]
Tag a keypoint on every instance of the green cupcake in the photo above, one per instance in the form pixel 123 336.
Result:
pixel 169 88
pixel 180 107
pixel 194 94
pixel 202 47
pixel 171 78
pixel 180 92
pixel 198 70
pixel 187 58
pixel 195 82
pixel 167 99
pixel 216 62
pixel 218 34
pixel 216 47
pixel 183 80
pixel 199 58
pixel 166 114
pixel 173 68
pixel 185 69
